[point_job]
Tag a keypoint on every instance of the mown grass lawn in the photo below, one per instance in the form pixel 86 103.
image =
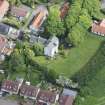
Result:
pixel 77 57
pixel 32 76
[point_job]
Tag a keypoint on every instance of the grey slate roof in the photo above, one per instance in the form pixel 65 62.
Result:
pixel 69 92
pixel 4 29
pixel 37 39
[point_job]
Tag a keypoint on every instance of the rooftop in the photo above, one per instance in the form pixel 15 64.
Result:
pixel 69 92
pixel 66 100
pixel 67 97
pixel 37 39
pixel 46 96
pixel 64 9
pixel 4 28
pixel 98 27
pixel 39 17
pixel 3 42
pixel 29 91
pixel 53 42
pixel 20 11
pixel 10 86
pixel 103 4
pixel 4 6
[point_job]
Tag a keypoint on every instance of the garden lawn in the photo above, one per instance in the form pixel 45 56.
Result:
pixel 77 57
pixel 32 76
pixel 1 77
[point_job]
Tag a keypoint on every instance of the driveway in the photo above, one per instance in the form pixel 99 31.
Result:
pixel 7 102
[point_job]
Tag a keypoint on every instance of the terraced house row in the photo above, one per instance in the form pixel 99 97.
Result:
pixel 42 97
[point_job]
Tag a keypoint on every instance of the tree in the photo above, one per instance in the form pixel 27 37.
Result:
pixel 73 14
pixel 38 48
pixel 28 53
pixel 93 10
pixel 85 19
pixel 78 22
pixel 54 24
pixel 50 75
pixel 15 2
pixel 16 61
pixel 77 35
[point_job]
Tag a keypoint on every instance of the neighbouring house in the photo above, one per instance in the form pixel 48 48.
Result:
pixel 4 29
pixel 14 33
pixel 64 10
pixel 3 42
pixel 42 97
pixel 11 87
pixel 103 5
pixel 52 47
pixel 20 12
pixel 9 31
pixel 47 97
pixel 6 47
pixel 40 16
pixel 67 97
pixel 4 6
pixel 37 39
pixel 29 91
pixel 98 27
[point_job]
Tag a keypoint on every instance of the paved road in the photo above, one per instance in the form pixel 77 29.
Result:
pixel 8 102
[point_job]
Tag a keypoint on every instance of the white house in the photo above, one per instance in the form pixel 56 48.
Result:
pixel 52 47
pixel 102 4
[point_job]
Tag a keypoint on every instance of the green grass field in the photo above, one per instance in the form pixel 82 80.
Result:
pixel 77 57
pixel 97 86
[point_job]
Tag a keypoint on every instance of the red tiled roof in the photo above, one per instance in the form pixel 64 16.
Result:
pixel 29 91
pixel 4 5
pixel 4 49
pixel 7 51
pixel 64 9
pixel 18 11
pixel 39 103
pixel 66 100
pixel 3 42
pixel 38 19
pixel 46 96
pixel 1 1
pixel 40 15
pixel 98 28
pixel 10 86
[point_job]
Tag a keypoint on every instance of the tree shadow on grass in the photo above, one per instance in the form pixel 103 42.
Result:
pixel 94 65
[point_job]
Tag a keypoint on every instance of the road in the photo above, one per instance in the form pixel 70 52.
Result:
pixel 7 102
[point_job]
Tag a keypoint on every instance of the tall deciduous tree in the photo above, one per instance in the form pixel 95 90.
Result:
pixel 54 24
pixel 38 48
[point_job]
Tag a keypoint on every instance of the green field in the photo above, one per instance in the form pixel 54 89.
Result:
pixel 77 57
pixel 97 86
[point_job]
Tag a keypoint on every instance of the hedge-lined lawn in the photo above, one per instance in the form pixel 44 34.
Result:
pixel 76 58
pixel 32 76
